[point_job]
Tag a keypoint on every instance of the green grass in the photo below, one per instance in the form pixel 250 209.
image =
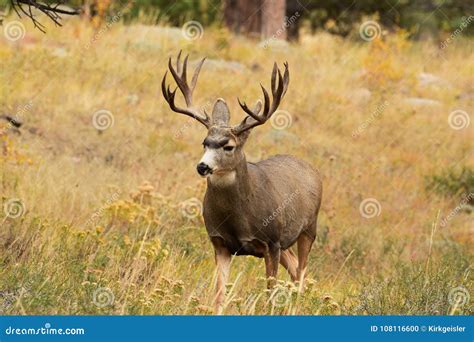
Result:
pixel 453 183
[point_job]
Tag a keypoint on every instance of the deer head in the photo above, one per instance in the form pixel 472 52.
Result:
pixel 223 145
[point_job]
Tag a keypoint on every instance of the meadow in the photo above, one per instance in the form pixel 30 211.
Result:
pixel 101 210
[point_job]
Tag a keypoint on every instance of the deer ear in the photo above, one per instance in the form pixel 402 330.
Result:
pixel 220 113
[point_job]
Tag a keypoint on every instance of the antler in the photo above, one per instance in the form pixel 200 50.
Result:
pixel 180 77
pixel 278 91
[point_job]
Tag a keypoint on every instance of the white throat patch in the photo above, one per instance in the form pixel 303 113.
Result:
pixel 223 179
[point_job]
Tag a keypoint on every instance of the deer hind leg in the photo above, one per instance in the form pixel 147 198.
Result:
pixel 223 259
pixel 305 242
pixel 289 261
pixel 272 258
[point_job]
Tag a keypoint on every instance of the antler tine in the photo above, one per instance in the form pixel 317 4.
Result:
pixel 184 72
pixel 278 88
pixel 276 94
pixel 178 64
pixel 181 83
pixel 180 76
pixel 286 79
pixel 266 101
pixel 254 115
pixel 274 72
pixel 166 90
pixel 196 73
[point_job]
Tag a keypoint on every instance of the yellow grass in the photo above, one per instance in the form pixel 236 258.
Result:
pixel 108 214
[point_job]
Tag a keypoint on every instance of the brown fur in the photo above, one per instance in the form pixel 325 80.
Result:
pixel 269 207
pixel 259 209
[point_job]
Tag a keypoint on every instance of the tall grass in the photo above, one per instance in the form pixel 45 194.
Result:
pixel 106 225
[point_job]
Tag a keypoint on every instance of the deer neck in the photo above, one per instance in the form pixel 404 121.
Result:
pixel 232 183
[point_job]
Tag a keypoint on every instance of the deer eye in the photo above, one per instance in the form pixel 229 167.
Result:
pixel 228 148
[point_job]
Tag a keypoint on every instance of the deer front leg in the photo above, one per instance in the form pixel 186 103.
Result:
pixel 272 259
pixel 223 259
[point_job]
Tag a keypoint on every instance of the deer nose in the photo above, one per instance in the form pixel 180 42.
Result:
pixel 203 169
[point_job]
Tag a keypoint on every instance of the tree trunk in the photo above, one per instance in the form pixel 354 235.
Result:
pixel 243 16
pixel 273 19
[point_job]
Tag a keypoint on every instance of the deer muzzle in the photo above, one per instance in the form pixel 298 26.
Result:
pixel 203 169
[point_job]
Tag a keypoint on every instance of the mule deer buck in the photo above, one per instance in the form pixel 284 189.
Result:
pixel 258 209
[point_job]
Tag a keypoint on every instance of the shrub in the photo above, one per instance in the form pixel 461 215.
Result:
pixel 452 183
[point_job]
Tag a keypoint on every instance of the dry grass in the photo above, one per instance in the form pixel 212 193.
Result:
pixel 91 223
